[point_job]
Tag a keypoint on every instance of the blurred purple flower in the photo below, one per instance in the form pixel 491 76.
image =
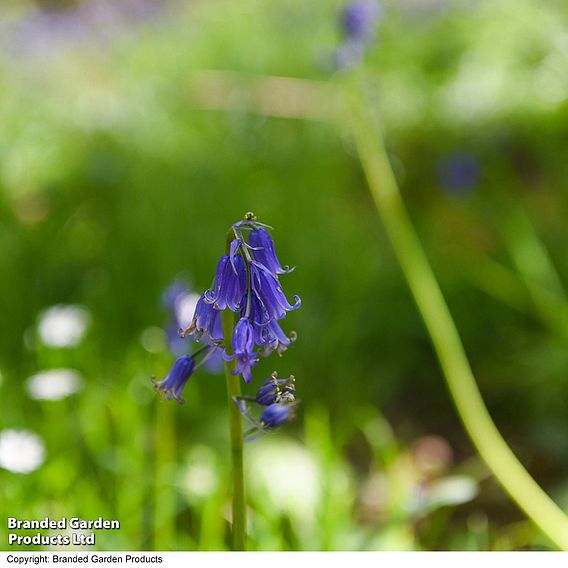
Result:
pixel 349 54
pixel 459 173
pixel 358 21
pixel 173 293
pixel 45 30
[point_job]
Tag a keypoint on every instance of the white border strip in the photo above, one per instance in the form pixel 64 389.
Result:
pixel 283 559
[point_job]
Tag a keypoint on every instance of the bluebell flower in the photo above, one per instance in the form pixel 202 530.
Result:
pixel 243 346
pixel 246 282
pixel 173 384
pixel 229 285
pixel 276 398
pixel 272 337
pixel 267 392
pixel 255 311
pixel 206 323
pixel 267 331
pixel 262 246
pixel 276 414
pixel 274 390
pixel 268 290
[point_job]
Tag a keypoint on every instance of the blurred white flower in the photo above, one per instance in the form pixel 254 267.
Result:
pixel 63 325
pixel 20 451
pixel 288 475
pixel 199 479
pixel 449 491
pixel 54 384
pixel 185 308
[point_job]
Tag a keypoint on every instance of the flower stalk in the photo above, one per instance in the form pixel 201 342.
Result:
pixel 444 335
pixel 238 534
pixel 236 440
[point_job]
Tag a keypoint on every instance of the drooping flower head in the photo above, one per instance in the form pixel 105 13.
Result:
pixel 246 283
pixel 173 384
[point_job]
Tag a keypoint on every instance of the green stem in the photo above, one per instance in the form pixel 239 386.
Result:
pixel 444 335
pixel 236 436
pixel 164 496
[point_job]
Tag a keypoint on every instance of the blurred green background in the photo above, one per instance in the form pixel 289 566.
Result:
pixel 114 181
